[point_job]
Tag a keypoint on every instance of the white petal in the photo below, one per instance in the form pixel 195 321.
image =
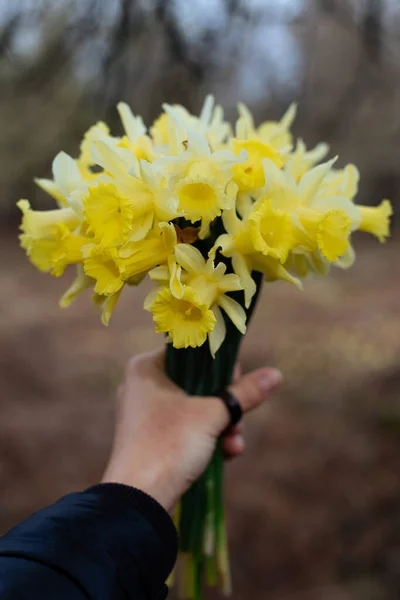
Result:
pixel 198 143
pixel 247 117
pixel 311 181
pixel 190 258
pixel 148 173
pixel 235 312
pixel 217 335
pixel 277 182
pixel 75 200
pixel 318 153
pixel 244 204
pixel 225 159
pixel 113 159
pixel 289 116
pixel 66 173
pixel 134 126
pixel 350 184
pixel 207 109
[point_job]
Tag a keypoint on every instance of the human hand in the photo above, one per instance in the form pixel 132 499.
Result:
pixel 164 438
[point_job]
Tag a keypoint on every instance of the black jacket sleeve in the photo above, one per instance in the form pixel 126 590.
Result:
pixel 110 542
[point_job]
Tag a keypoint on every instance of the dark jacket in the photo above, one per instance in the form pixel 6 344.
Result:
pixel 110 542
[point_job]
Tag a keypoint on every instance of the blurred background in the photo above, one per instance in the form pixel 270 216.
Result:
pixel 314 506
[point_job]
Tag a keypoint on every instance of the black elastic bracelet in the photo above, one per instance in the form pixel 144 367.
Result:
pixel 234 409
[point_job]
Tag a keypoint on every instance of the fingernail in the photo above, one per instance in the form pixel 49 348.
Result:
pixel 269 379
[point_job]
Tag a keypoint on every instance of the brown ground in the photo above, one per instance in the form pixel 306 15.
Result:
pixel 314 507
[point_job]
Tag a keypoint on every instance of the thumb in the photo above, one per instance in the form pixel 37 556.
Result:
pixel 252 389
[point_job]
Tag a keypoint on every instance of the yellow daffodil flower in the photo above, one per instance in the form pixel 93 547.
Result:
pixel 139 180
pixel 238 244
pixel 210 284
pixel 187 320
pixel 46 234
pixel 320 222
pixel 201 180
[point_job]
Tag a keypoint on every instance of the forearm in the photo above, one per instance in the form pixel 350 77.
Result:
pixel 106 541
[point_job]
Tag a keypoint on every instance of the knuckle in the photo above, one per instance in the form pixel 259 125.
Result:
pixel 132 366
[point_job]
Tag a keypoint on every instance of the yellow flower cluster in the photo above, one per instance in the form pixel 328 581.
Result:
pixel 188 200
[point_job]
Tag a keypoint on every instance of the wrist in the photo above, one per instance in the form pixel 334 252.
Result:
pixel 154 482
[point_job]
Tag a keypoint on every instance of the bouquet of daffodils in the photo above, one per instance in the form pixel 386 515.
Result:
pixel 208 212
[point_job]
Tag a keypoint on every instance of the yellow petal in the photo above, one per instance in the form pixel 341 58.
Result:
pixel 160 274
pixel 234 311
pixel 108 307
pixel 80 284
pixel 217 335
pixel 175 283
pixel 190 258
pixel 150 298
pixel 141 226
pixel 51 188
pixel 230 282
pixel 274 271
pixel 242 268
